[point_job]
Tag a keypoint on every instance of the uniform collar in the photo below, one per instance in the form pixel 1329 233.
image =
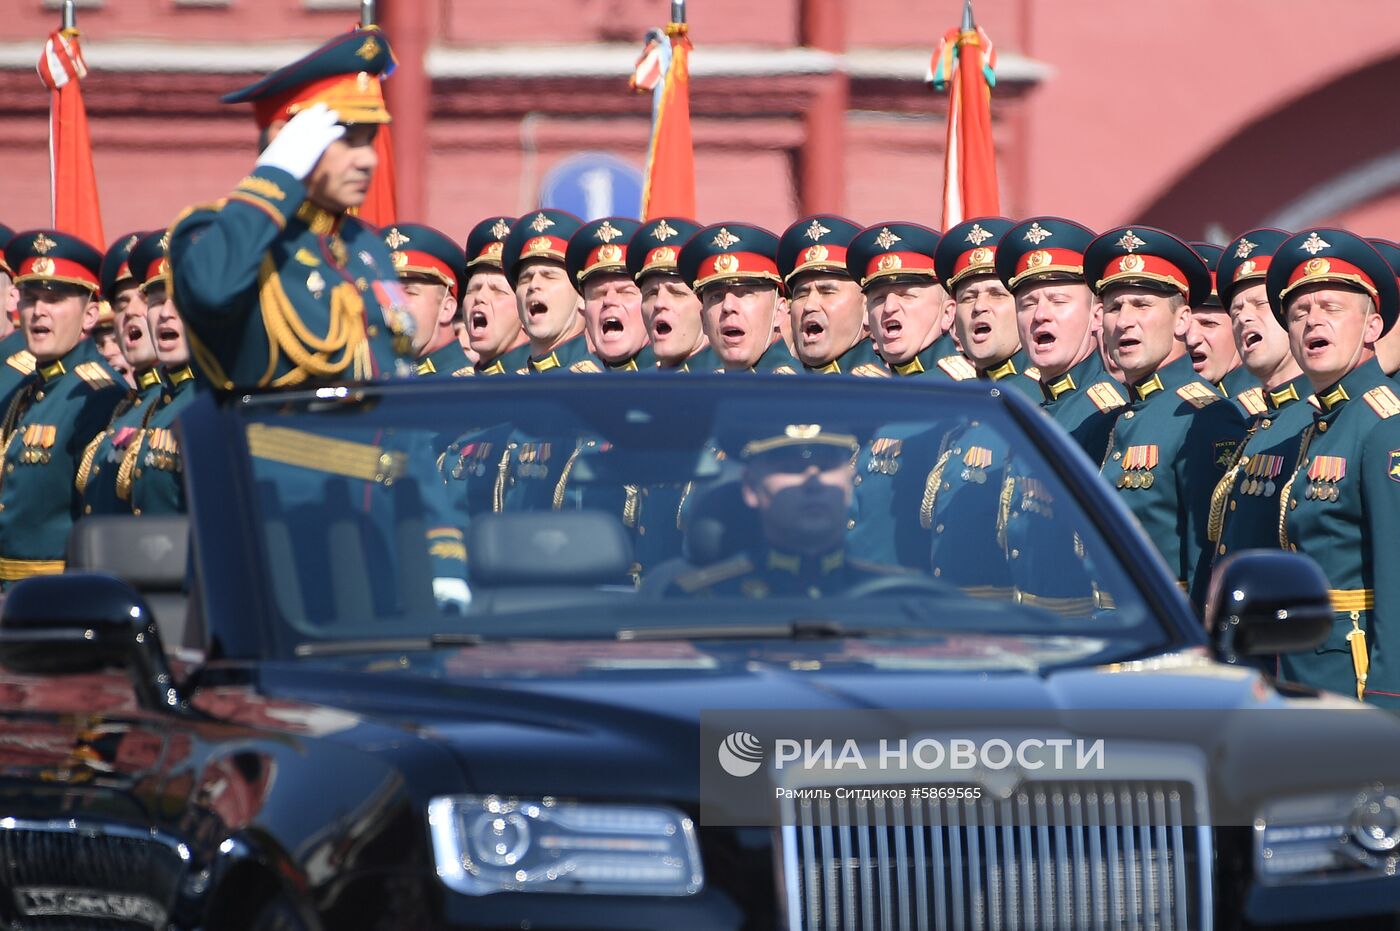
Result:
pixel 831 368
pixel 52 370
pixel 912 367
pixel 863 351
pixel 545 363
pixel 180 375
pixel 1170 376
pixel 426 367
pixel 1291 391
pixel 1353 384
pixel 998 372
pixel 319 221
pixel 806 565
pixel 147 378
pixel 495 368
pixel 928 357
pixel 1086 372
pixel 629 365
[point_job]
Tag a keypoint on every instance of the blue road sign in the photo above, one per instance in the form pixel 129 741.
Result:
pixel 593 185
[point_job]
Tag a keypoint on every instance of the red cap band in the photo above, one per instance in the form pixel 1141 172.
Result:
pixel 899 263
pixel 1320 269
pixel 410 262
pixel 819 258
pixel 737 265
pixel 974 261
pixel 44 268
pixel 605 258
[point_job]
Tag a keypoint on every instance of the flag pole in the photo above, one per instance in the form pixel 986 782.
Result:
pixel 70 14
pixel 678 11
pixel 366 13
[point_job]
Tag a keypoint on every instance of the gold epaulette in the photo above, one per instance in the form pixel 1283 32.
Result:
pixel 1032 372
pixel 1383 401
pixel 1106 397
pixel 447 543
pixel 784 370
pixel 325 454
pixel 465 371
pixel 870 370
pixel 1198 394
pixel 957 368
pixel 22 362
pixel 585 365
pixel 94 375
pixel 1252 400
pixel 732 568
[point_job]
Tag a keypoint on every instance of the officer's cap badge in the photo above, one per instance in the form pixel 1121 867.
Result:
pixel 977 235
pixel 607 232
pixel 395 239
pixel 886 238
pixel 1037 234
pixel 663 231
pixel 1130 241
pixel 1245 247
pixel 816 231
pixel 42 244
pixel 1314 244
pixel 541 223
pixel 500 229
pixel 724 239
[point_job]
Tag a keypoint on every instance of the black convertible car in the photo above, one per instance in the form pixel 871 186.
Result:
pixel 435 655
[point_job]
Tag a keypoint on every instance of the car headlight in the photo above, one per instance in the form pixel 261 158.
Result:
pixel 1328 837
pixel 489 843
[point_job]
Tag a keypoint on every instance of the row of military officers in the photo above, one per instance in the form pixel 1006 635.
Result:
pixel 1232 395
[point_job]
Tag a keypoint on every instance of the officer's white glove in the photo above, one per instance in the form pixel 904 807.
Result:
pixel 302 141
pixel 452 595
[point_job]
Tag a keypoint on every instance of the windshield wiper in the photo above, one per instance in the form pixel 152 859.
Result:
pixel 797 629
pixel 387 644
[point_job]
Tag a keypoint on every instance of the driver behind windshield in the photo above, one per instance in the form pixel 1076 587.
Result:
pixel 799 484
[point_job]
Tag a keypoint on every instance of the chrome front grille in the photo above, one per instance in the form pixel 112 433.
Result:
pixel 1052 855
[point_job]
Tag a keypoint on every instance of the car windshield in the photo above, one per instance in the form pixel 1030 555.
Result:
pixel 656 508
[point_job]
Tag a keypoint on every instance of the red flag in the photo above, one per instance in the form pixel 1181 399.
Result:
pixel 668 189
pixel 74 183
pixel 965 64
pixel 381 205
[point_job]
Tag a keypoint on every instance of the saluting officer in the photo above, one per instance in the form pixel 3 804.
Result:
pixel 1244 506
pixel 984 310
pixel 906 309
pixel 278 284
pixel 734 269
pixel 1171 446
pixel 104 473
pixel 157 476
pixel 58 409
pixel 430 266
pixel 612 303
pixel 1041 261
pixel 670 307
pixel 550 309
pixel 1340 502
pixel 488 303
pixel 1210 340
pixel 826 307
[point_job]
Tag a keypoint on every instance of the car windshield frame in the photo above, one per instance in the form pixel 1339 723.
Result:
pixel 240 612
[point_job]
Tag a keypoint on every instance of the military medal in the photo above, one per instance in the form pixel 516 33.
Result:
pixel 315 284
pixel 1325 473
pixel 975 463
pixel 1138 463
pixel 884 455
pixel 38 439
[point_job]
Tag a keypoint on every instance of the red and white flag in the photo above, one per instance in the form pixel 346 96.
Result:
pixel 965 66
pixel 668 189
pixel 74 182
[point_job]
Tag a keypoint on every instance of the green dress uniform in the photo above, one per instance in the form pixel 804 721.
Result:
pixel 50 418
pixel 776 360
pixel 703 361
pixel 157 480
pixel 1236 382
pixel 600 247
pixel 1016 373
pixel 1244 506
pixel 486 243
pixel 861 360
pixel 274 290
pixel 654 250
pixel 770 572
pixel 511 362
pixel 643 361
pixel 1340 503
pixel 422 253
pixel 543 236
pixel 1085 401
pixel 104 472
pixel 1172 445
pixel 19 363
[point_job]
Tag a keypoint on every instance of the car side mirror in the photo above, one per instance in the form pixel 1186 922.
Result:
pixel 85 622
pixel 1263 602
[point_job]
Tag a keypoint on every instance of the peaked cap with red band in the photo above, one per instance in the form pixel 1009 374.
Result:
pixel 1210 254
pixel 115 270
pixel 969 249
pixel 1245 261
pixel 816 244
pixel 542 235
pixel 1147 257
pixel 598 247
pixel 486 244
pixel 656 246
pixel 1334 257
pixel 730 252
pixel 48 255
pixel 892 250
pixel 420 251
pixel 1042 249
pixel 150 260
pixel 344 74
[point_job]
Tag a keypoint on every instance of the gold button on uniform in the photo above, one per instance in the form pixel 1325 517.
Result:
pixel 1128 415
pixel 1322 427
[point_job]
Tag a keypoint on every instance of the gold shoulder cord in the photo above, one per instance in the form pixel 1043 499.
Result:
pixel 9 429
pixel 1215 523
pixel 80 481
pixel 312 355
pixel 133 452
pixel 1288 486
pixel 631 504
pixel 931 485
pixel 498 489
pixel 1008 492
pixel 562 487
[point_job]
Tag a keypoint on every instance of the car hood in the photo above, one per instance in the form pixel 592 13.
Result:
pixel 617 719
